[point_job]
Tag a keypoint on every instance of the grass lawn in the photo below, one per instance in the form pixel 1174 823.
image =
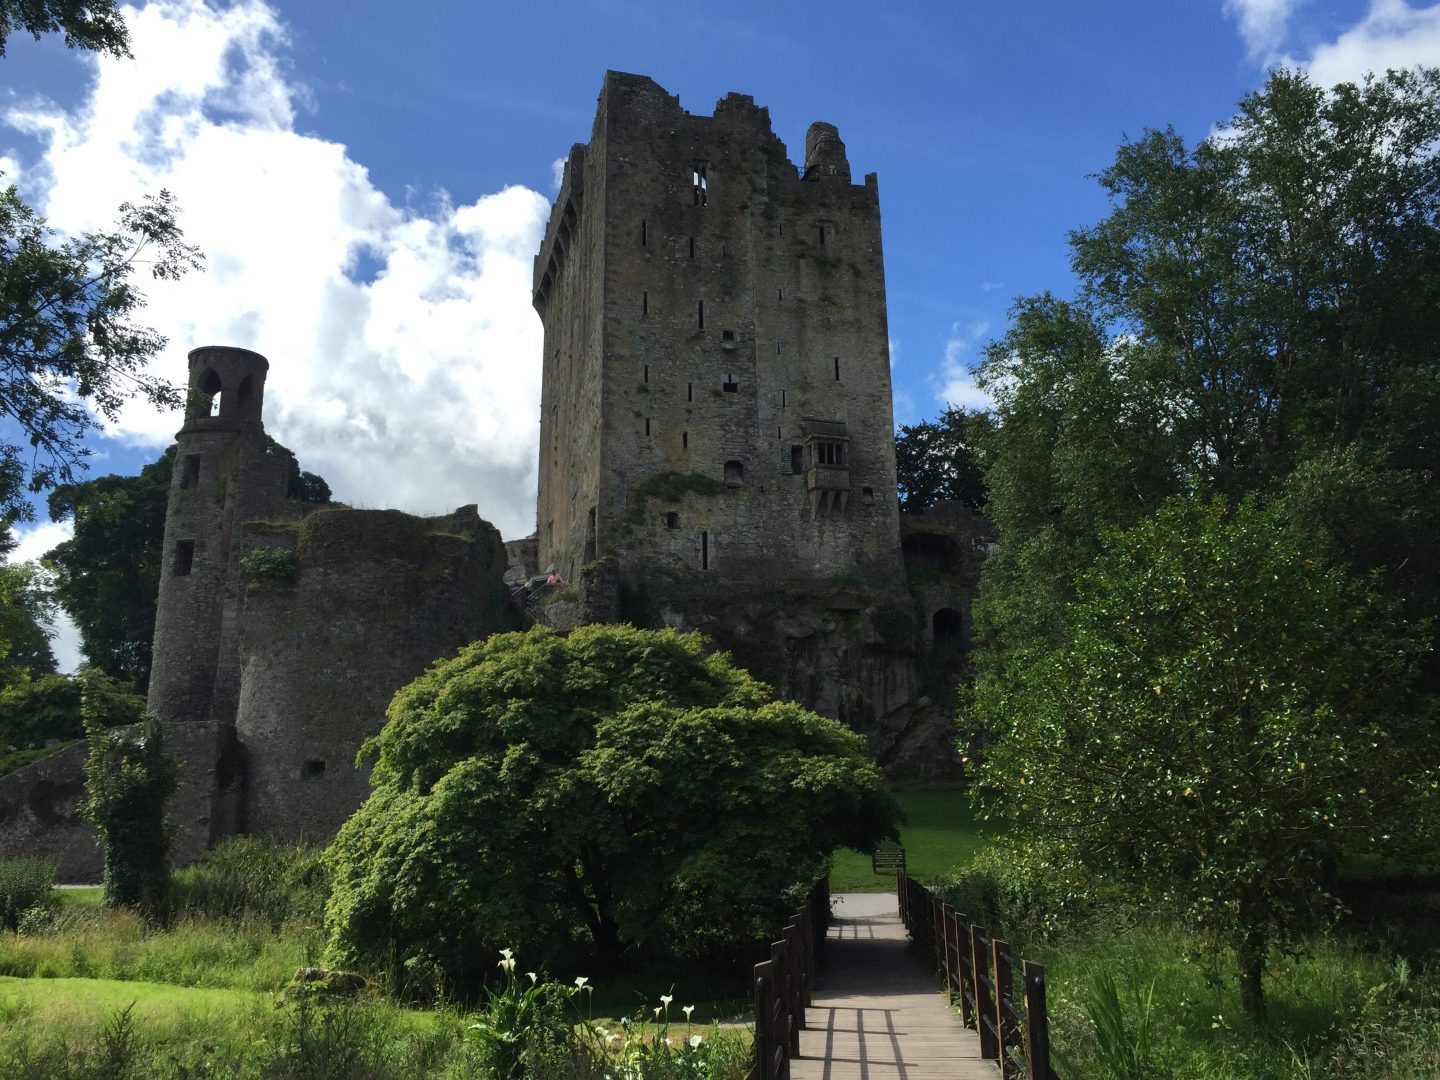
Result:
pixel 942 832
pixel 59 1001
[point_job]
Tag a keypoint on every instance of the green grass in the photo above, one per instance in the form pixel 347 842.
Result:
pixel 942 832
pixel 86 896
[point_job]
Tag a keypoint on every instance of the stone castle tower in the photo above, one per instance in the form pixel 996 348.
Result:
pixel 716 399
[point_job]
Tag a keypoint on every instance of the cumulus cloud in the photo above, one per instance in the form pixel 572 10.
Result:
pixel 33 540
pixel 956 383
pixel 1392 35
pixel 1263 24
pixel 405 356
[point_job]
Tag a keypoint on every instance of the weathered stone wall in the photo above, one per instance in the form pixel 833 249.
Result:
pixel 40 815
pixel 376 597
pixel 742 329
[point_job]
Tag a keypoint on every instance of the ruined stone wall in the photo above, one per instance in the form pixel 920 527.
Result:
pixel 40 815
pixel 376 597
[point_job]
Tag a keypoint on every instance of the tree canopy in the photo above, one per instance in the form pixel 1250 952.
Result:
pixel 937 460
pixel 1231 712
pixel 616 792
pixel 86 24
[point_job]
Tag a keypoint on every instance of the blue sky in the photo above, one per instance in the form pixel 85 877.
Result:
pixel 369 180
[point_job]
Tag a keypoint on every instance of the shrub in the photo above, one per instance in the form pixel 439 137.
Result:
pixel 247 877
pixel 24 884
pixel 1025 892
pixel 269 564
pixel 616 785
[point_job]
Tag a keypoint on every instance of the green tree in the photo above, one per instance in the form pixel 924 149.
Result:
pixel 616 785
pixel 35 710
pixel 1256 311
pixel 1232 712
pixel 107 575
pixel 27 612
pixel 937 460
pixel 70 351
pixel 127 780
pixel 86 24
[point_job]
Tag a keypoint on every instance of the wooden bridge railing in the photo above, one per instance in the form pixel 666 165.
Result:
pixel 784 984
pixel 980 972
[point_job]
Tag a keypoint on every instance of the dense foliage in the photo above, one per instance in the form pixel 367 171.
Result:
pixel 1211 700
pixel 617 792
pixel 938 460
pixel 25 883
pixel 248 877
pixel 34 711
pixel 1231 713
pixel 127 780
pixel 86 24
pixel 26 619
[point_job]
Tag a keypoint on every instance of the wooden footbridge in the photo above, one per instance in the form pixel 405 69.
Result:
pixel 877 1009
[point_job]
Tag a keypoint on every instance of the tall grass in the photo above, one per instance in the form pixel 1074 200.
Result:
pixel 24 884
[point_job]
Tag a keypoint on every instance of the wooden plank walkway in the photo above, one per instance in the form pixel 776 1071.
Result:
pixel 878 1013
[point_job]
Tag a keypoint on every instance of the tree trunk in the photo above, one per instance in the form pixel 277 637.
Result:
pixel 1251 955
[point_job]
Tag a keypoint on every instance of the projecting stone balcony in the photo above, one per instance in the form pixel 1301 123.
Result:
pixel 827 478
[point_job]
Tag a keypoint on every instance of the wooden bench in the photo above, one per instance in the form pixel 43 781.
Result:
pixel 887 858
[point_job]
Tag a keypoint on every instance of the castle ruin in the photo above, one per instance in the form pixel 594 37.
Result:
pixel 716 452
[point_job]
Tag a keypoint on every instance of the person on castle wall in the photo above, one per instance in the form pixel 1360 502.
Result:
pixel 554 577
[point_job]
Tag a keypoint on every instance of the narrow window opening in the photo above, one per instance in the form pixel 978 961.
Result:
pixel 727 335
pixel 704 550
pixel 644 233
pixel 644 303
pixel 779 294
pixel 734 473
pixel 783 399
pixel 779 349
pixel 699 184
pixel 672 520
pixel 647 425
pixel 689 391
pixel 184 557
pixel 778 434
pixel 782 228
pixel 700 314
pixel 646 375
pixel 837 369
pixel 868 494
pixel 822 234
pixel 191 475
pixel 730 386
pixel 684 440
pixel 797 459
pixel 692 247
pixel 312 769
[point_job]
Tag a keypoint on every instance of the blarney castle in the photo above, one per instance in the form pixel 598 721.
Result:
pixel 716 453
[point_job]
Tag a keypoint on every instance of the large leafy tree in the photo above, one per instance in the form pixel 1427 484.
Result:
pixel 619 787
pixel 1232 711
pixel 70 349
pixel 1259 312
pixel 936 460
pixel 107 576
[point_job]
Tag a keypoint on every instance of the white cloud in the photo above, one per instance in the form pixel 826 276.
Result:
pixel 33 540
pixel 1263 24
pixel 557 172
pixel 956 384
pixel 416 387
pixel 1392 35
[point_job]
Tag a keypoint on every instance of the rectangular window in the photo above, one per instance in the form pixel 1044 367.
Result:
pixel 647 425
pixel 700 314
pixel 779 349
pixel 646 374
pixel 783 399
pixel 730 386
pixel 672 520
pixel 692 247
pixel 644 303
pixel 779 294
pixel 822 234
pixel 868 494
pixel 699 184
pixel 689 391
pixel 704 550
pixel 644 233
pixel 837 369
pixel 727 335
pixel 191 476
pixel 797 459
pixel 184 557
pixel 684 440
pixel 312 769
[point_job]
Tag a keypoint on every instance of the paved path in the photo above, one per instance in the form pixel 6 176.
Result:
pixel 878 1015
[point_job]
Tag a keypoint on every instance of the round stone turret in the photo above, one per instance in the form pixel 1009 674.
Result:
pixel 825 153
pixel 225 383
